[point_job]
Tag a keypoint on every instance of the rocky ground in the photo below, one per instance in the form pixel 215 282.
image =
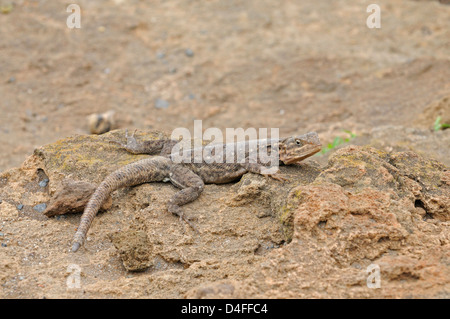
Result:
pixel 378 197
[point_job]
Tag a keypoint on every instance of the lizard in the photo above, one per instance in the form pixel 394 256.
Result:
pixel 191 176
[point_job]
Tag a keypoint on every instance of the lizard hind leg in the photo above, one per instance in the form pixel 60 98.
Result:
pixel 191 187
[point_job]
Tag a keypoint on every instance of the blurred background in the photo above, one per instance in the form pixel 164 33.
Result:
pixel 295 65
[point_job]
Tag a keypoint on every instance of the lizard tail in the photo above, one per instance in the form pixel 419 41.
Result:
pixel 95 202
pixel 146 170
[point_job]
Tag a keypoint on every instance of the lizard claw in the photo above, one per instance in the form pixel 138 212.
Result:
pixel 188 221
pixel 131 141
pixel 127 137
pixel 278 177
pixel 132 135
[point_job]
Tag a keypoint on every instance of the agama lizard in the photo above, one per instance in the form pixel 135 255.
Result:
pixel 191 176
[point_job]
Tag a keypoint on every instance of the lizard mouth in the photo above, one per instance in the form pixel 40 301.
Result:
pixel 308 151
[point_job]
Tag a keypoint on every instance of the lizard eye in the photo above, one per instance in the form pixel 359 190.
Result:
pixel 298 142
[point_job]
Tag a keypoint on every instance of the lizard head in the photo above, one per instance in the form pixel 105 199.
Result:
pixel 296 148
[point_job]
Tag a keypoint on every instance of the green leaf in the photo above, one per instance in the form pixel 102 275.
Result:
pixel 338 141
pixel 352 135
pixel 437 124
pixel 6 8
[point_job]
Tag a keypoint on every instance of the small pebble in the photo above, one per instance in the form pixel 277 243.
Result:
pixel 30 114
pixel 4 245
pixel 1 234
pixel 101 123
pixel 40 207
pixel 12 80
pixel 44 182
pixel 189 52
pixel 19 207
pixel 161 104
pixel 160 55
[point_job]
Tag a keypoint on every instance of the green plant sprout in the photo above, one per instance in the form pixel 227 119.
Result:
pixel 440 126
pixel 338 141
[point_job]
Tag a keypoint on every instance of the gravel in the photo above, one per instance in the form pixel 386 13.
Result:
pixel 40 207
pixel 161 104
pixel 44 182
pixel 189 53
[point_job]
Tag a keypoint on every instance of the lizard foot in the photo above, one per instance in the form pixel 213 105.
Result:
pixel 188 221
pixel 278 177
pixel 131 145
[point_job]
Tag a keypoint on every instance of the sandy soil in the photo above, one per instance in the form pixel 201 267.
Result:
pixel 294 65
pixel 288 64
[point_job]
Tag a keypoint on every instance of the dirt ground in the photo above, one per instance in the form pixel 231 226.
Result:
pixel 294 65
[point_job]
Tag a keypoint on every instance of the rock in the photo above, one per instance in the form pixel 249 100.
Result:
pixel 424 142
pixel 189 53
pixel 134 248
pixel 161 104
pixel 436 108
pixel 101 123
pixel 40 207
pixel 44 182
pixel 71 197
pixel 322 229
pixel 360 211
pixel 249 189
pixel 88 158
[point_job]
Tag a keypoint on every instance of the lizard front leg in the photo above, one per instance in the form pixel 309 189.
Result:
pixel 191 187
pixel 146 147
pixel 272 172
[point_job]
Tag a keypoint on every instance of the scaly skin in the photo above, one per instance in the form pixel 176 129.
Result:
pixel 190 177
